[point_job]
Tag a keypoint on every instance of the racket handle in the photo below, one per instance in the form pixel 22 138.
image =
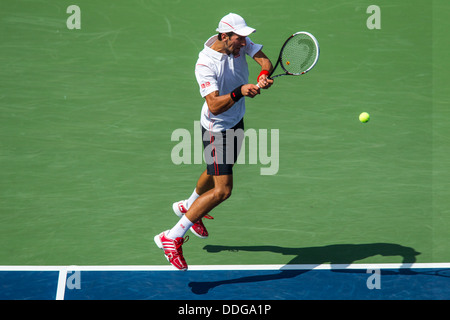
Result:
pixel 258 85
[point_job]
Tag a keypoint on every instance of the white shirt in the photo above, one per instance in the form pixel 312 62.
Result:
pixel 218 71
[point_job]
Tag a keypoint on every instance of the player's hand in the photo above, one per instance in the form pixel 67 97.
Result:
pixel 250 90
pixel 264 82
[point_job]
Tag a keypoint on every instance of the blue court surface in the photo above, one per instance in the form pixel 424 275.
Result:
pixel 421 281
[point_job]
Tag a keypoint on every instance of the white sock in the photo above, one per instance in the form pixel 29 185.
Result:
pixel 191 199
pixel 180 229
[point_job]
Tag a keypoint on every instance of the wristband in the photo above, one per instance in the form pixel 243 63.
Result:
pixel 236 94
pixel 261 73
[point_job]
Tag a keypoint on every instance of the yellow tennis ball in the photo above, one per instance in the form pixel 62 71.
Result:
pixel 288 63
pixel 364 117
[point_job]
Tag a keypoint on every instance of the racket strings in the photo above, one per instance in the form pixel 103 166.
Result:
pixel 299 54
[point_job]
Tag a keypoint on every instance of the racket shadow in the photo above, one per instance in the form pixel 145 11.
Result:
pixel 342 254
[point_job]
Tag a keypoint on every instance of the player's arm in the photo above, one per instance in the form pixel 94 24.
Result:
pixel 218 104
pixel 266 68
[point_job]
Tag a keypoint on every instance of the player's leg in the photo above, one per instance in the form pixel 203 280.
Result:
pixel 223 186
pixel 171 241
pixel 204 184
pixel 203 205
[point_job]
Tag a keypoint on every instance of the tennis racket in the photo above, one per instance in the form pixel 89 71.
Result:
pixel 298 55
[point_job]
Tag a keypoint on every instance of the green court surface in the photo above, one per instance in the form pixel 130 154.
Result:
pixel 86 118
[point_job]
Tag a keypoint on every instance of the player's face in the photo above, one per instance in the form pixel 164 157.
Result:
pixel 235 43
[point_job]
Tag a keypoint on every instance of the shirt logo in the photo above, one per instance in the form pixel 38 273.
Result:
pixel 205 85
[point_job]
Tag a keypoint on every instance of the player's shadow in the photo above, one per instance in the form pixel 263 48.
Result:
pixel 342 254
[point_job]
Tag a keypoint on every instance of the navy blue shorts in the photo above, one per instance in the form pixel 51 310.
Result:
pixel 221 149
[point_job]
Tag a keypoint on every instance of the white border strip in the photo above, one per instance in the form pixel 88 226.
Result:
pixel 65 269
pixel 61 289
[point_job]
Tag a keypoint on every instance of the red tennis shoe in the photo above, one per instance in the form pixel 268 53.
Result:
pixel 172 250
pixel 198 228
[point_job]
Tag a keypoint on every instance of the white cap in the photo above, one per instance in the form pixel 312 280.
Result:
pixel 233 22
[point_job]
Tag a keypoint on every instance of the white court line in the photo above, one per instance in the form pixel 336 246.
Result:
pixel 61 288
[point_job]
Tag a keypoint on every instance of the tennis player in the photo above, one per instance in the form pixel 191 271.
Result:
pixel 222 74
